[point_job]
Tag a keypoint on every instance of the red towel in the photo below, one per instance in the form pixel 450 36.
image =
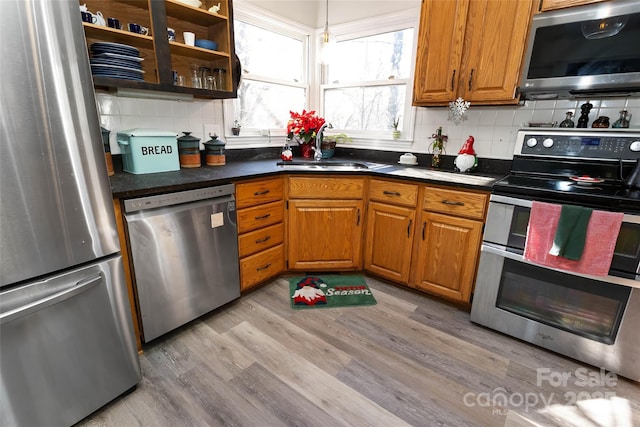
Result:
pixel 602 234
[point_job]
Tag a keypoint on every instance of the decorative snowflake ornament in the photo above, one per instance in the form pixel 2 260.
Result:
pixel 458 110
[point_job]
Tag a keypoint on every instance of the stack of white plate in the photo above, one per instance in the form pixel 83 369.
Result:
pixel 117 61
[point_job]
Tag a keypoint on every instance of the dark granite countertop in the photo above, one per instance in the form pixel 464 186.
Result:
pixel 127 185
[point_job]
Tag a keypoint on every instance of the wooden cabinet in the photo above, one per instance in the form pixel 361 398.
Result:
pixel 391 216
pixel 324 222
pixel 260 211
pixel 128 272
pixel 161 56
pixel 448 243
pixel 546 5
pixel 470 49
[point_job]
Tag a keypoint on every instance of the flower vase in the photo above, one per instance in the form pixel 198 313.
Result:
pixel 307 150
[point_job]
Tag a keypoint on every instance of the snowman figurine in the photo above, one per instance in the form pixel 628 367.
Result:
pixel 466 161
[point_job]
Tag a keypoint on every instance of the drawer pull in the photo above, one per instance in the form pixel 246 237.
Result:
pixel 263 240
pixel 449 202
pixel 263 216
pixel 409 228
pixel 261 193
pixel 264 267
pixel 391 193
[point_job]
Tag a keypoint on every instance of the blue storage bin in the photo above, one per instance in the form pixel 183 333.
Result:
pixel 148 150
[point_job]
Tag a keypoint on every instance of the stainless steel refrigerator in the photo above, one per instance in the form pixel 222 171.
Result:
pixel 66 341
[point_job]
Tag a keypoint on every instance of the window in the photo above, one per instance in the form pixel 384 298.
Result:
pixel 275 75
pixel 369 81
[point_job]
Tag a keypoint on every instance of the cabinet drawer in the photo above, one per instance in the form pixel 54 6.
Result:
pixel 261 266
pixel 258 192
pixel 256 241
pixel 454 202
pixel 323 187
pixel 393 192
pixel 259 216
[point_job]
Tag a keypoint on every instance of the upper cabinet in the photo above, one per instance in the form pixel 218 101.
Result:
pixel 164 59
pixel 546 5
pixel 470 49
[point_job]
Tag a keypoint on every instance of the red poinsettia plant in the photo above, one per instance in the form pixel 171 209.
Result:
pixel 303 126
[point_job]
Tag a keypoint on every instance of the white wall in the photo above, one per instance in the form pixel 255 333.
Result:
pixel 493 128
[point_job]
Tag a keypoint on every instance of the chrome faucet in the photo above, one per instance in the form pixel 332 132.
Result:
pixel 317 155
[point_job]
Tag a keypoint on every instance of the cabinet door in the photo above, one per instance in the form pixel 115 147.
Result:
pixel 440 43
pixel 325 234
pixel 446 255
pixel 389 241
pixel 496 36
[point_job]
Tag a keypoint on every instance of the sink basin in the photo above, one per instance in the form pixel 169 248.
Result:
pixel 323 165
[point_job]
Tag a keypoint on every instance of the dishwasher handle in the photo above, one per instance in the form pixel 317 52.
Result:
pixel 25 310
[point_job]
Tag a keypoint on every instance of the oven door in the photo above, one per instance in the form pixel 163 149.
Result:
pixel 580 316
pixel 515 212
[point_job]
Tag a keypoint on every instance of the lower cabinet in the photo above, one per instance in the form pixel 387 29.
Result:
pixel 447 255
pixel 391 215
pixel 260 230
pixel 325 218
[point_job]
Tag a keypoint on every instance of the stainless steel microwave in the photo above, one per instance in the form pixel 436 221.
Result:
pixel 584 51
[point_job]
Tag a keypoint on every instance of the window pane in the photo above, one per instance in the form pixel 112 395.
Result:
pixel 370 108
pixel 376 57
pixel 269 54
pixel 264 105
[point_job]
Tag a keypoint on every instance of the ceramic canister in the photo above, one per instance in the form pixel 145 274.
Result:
pixel 214 152
pixel 189 151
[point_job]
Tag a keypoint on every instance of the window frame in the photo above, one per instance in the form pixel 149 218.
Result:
pixel 261 18
pixel 364 28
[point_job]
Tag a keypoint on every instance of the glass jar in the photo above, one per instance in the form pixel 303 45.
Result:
pixel 567 122
pixel 219 79
pixel 623 121
pixel 601 122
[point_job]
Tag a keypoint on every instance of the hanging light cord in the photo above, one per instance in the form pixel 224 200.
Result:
pixel 325 33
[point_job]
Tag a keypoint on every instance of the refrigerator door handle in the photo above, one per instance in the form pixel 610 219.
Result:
pixel 80 286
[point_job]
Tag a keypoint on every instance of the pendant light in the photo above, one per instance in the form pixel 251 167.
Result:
pixel 325 38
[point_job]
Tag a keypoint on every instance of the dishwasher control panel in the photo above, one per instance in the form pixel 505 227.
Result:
pixel 178 198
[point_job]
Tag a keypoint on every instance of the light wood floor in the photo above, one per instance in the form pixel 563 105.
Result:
pixel 409 360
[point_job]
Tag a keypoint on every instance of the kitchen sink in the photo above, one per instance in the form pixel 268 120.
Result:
pixel 328 165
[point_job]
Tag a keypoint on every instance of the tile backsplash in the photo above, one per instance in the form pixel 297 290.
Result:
pixel 493 128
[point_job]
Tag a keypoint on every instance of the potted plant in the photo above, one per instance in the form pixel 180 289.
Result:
pixel 396 131
pixel 302 128
pixel 329 142
pixel 235 129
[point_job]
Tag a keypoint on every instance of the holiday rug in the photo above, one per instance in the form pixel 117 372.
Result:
pixel 329 291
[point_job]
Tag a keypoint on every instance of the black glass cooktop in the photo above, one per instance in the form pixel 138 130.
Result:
pixel 608 195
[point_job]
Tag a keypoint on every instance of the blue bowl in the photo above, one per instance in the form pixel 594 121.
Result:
pixel 207 44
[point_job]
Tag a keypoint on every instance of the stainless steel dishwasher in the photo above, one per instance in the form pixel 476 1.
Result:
pixel 184 247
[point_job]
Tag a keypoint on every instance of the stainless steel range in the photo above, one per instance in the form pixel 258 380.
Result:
pixel 592 318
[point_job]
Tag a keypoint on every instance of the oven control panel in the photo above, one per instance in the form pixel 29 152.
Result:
pixel 574 143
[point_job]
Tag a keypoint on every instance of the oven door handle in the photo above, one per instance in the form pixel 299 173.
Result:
pixel 500 251
pixel 511 201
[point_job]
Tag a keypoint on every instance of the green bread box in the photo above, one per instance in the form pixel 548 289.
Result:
pixel 148 150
